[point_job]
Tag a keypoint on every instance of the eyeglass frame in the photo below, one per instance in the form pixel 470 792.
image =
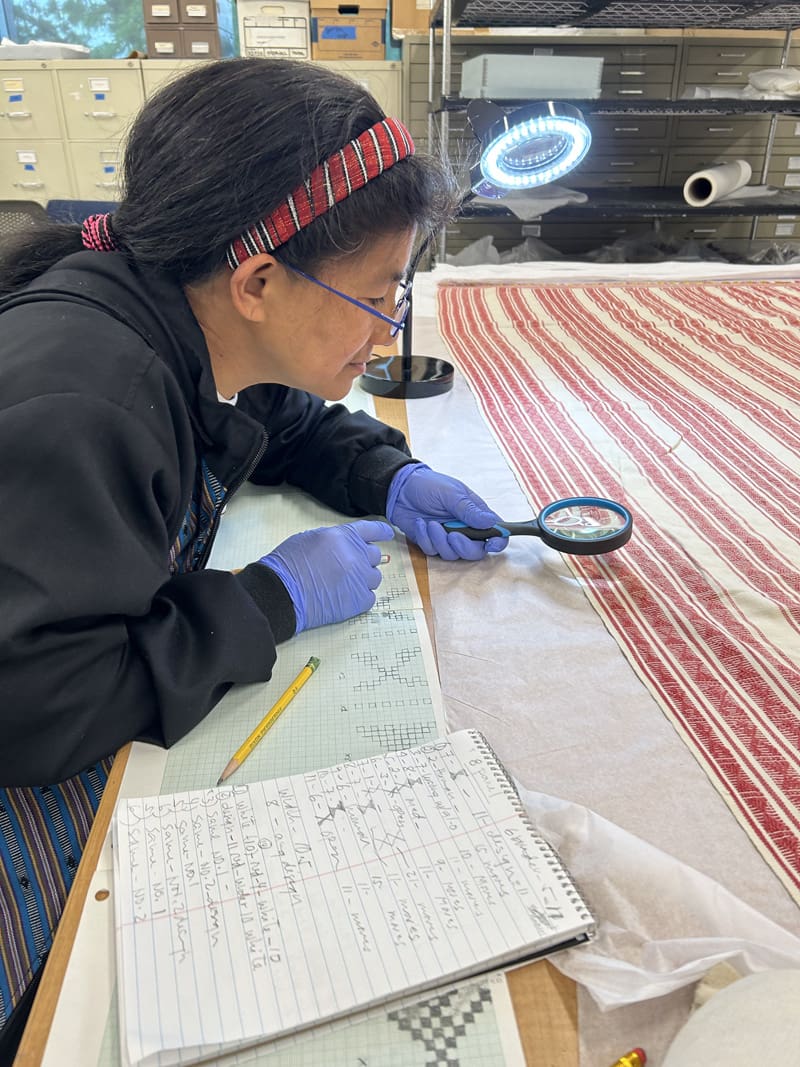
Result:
pixel 397 324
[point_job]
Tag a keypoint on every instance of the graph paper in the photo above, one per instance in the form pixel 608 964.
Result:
pixel 376 690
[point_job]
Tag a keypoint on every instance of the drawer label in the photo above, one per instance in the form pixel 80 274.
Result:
pixel 196 11
pixel 13 85
pixel 26 157
pixel 99 85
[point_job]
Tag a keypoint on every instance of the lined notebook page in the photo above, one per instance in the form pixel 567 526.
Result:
pixel 252 911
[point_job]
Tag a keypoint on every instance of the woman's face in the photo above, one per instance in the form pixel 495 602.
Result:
pixel 314 340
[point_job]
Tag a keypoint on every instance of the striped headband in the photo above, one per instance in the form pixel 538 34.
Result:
pixel 370 154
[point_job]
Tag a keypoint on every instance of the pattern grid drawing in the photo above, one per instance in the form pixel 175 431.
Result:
pixel 439 1024
pixel 681 400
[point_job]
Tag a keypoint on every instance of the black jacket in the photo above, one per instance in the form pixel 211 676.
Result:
pixel 112 442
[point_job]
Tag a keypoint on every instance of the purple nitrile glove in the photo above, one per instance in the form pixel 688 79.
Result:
pixel 420 500
pixel 330 573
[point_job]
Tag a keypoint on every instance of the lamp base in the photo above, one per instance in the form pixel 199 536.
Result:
pixel 407 377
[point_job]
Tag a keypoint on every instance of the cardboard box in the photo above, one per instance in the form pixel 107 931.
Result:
pixel 530 76
pixel 347 31
pixel 161 12
pixel 410 16
pixel 274 29
pixel 194 12
pixel 182 42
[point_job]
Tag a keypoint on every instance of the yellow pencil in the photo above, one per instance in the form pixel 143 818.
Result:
pixel 244 750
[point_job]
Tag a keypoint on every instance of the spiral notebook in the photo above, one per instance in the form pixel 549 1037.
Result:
pixel 252 912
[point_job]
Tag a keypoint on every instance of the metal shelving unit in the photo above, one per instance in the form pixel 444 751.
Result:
pixel 618 14
pixel 631 16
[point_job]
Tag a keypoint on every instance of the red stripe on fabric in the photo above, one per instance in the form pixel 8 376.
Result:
pixel 303 208
pixel 320 201
pixel 675 487
pixel 741 357
pixel 385 147
pixel 664 646
pixel 282 224
pixel 371 157
pixel 239 250
pixel 628 364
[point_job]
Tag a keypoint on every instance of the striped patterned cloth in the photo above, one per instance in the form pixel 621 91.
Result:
pixel 682 400
pixel 43 831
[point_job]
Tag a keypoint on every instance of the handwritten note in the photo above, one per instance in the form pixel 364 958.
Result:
pixel 248 912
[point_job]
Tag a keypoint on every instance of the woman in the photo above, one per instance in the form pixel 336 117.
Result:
pixel 153 361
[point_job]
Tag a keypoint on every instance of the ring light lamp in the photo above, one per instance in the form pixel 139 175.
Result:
pixel 526 148
pixel 531 146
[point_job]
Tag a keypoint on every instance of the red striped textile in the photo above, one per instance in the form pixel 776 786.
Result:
pixel 681 400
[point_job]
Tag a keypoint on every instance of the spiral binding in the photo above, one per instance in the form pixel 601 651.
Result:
pixel 551 857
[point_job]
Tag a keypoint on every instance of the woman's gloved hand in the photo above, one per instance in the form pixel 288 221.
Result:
pixel 420 500
pixel 330 573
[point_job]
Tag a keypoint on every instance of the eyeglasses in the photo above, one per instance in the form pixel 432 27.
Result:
pixel 402 296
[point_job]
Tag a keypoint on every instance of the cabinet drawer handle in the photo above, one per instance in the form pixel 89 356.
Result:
pixel 100 114
pixel 105 185
pixel 17 114
pixel 719 129
pixel 631 74
pixel 708 229
pixel 29 185
pixel 630 92
pixel 732 55
pixel 730 74
pixel 626 129
pixel 625 163
pixel 618 181
pixel 632 55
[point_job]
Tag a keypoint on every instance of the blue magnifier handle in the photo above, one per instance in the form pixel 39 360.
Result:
pixel 508 529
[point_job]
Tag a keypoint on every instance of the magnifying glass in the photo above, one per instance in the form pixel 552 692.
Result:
pixel 580 525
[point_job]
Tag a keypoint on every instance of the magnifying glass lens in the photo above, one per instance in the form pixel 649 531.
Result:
pixel 584 522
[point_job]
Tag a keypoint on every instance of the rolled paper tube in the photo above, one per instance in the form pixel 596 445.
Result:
pixel 720 179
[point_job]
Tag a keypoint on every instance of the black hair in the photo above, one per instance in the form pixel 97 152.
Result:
pixel 220 147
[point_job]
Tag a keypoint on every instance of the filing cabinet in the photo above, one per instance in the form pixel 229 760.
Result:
pixel 182 29
pixel 33 160
pixel 384 79
pixel 62 121
pixel 97 169
pixel 99 100
pixel 29 107
pixel 32 169
pixel 161 12
pixel 155 72
pixel 193 13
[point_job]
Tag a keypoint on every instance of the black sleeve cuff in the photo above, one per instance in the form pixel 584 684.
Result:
pixel 371 475
pixel 272 599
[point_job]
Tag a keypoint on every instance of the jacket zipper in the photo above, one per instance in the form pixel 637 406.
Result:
pixel 233 489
